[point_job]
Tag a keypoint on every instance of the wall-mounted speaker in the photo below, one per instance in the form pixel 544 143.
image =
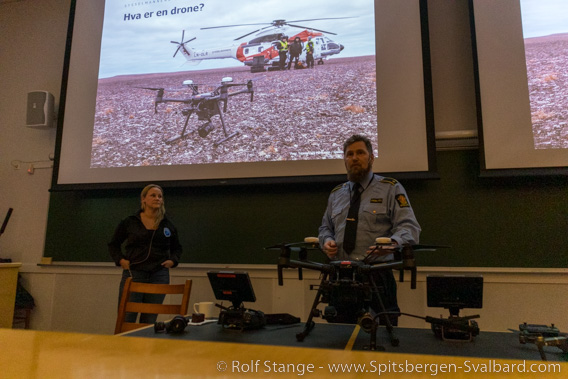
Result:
pixel 40 112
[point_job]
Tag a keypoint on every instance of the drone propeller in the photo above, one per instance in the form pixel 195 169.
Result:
pixel 309 242
pixel 429 247
pixel 180 44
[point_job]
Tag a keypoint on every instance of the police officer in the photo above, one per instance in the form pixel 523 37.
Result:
pixel 282 51
pixel 384 211
pixel 310 53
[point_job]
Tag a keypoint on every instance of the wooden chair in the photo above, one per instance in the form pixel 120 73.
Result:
pixel 127 306
pixel 22 316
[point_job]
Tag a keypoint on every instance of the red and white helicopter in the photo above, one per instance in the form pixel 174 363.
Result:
pixel 263 44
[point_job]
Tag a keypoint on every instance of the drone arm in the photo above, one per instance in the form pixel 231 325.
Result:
pixel 286 262
pixel 325 268
pixel 241 91
pixel 394 265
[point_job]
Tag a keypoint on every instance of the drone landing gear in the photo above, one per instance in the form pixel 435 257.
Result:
pixel 206 128
pixel 384 314
pixel 183 135
pixel 227 136
pixel 314 312
pixel 374 320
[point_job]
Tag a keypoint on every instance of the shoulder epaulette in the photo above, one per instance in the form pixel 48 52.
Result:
pixel 337 187
pixel 390 181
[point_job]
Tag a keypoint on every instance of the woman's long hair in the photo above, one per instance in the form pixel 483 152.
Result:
pixel 162 210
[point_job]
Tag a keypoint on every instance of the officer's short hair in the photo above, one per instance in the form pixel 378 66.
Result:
pixel 358 138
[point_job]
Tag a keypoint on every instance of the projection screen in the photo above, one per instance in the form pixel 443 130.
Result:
pixel 192 93
pixel 521 55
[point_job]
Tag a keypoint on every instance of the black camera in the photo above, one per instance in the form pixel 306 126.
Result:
pixel 243 319
pixel 175 326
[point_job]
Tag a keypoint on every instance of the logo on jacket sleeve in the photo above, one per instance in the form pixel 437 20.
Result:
pixel 402 201
pixel 167 232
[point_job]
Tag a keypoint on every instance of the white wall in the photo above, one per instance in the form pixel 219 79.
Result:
pixel 84 298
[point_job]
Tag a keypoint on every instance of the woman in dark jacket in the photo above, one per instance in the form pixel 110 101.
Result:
pixel 151 248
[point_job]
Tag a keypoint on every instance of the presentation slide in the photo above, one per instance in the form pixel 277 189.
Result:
pixel 522 55
pixel 177 90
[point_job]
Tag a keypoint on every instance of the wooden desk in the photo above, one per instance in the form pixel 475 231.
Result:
pixel 8 284
pixel 488 345
pixel 32 354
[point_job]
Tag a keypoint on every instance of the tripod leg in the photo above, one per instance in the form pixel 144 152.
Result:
pixel 309 323
pixel 382 313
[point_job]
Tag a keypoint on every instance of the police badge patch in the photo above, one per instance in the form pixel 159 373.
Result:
pixel 402 201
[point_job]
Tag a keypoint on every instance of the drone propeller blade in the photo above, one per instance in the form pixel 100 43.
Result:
pixel 429 247
pixel 279 246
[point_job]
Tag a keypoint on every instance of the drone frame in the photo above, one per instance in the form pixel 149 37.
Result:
pixel 205 105
pixel 404 261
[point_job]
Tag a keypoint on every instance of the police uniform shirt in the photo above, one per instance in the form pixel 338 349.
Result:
pixel 385 211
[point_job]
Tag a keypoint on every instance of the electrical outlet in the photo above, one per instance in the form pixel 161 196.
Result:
pixel 17 165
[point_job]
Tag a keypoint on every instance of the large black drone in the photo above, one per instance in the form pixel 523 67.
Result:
pixel 205 105
pixel 348 286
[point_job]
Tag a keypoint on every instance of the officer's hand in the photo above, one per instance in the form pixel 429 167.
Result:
pixel 125 264
pixel 168 264
pixel 330 248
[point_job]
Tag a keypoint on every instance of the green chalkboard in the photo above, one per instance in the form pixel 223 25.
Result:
pixel 488 222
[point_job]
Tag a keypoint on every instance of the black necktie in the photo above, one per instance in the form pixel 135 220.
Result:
pixel 351 221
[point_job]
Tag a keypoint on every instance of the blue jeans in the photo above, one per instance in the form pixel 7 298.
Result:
pixel 162 276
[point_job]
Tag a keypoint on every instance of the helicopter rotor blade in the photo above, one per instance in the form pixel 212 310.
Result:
pixel 231 26
pixel 181 43
pixel 248 34
pixel 179 47
pixel 276 23
pixel 325 18
pixel 317 30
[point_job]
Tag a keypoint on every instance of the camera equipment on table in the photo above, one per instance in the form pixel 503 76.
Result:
pixel 543 335
pixel 348 287
pixel 235 287
pixel 454 293
pixel 176 325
